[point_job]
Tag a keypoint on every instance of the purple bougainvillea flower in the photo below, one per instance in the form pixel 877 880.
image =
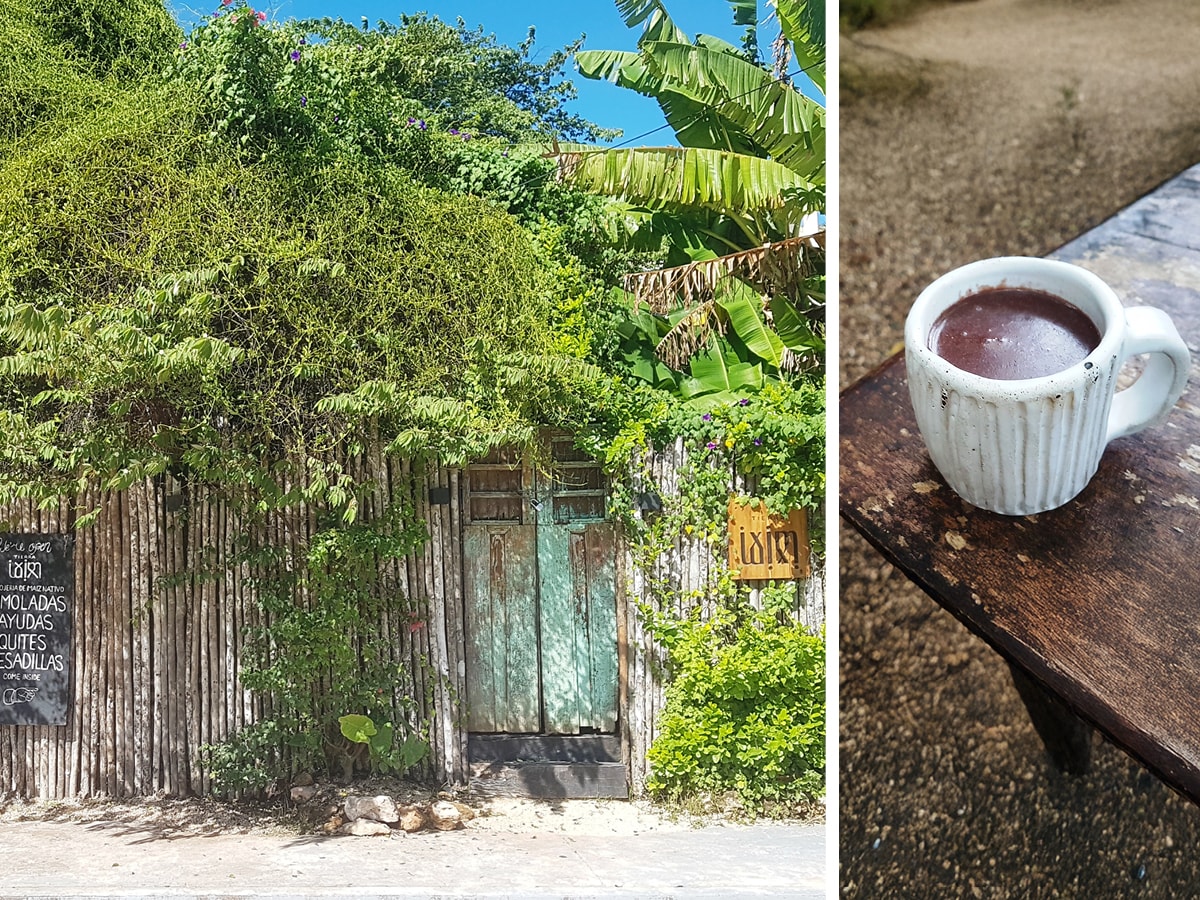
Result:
pixel 183 46
pixel 711 445
pixel 758 442
pixel 454 131
pixel 745 401
pixel 421 124
pixel 412 121
pixel 303 100
pixel 295 56
pixel 707 417
pixel 303 41
pixel 466 136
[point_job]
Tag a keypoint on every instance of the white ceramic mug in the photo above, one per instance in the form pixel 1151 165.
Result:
pixel 1026 446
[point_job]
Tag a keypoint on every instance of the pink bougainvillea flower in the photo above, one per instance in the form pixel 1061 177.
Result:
pixel 261 16
pixel 414 627
pixel 226 2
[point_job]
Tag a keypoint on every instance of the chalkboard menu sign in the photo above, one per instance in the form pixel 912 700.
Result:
pixel 37 585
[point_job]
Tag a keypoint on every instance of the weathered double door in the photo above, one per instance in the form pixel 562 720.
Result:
pixel 539 589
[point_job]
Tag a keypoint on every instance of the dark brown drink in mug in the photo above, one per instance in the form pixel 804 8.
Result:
pixel 1013 333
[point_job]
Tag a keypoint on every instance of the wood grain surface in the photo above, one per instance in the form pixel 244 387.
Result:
pixel 1098 601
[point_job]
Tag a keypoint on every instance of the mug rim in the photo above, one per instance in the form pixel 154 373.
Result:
pixel 1015 271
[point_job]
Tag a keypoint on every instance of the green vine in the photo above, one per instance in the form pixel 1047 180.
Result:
pixel 318 654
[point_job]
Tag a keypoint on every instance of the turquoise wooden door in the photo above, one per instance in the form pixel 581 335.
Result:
pixel 500 598
pixel 540 598
pixel 578 626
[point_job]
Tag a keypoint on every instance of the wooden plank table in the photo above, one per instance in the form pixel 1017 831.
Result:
pixel 1096 605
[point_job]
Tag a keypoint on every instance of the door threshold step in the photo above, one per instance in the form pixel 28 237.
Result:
pixel 550 780
pixel 571 748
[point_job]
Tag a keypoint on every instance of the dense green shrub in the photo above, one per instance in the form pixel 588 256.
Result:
pixel 122 38
pixel 165 303
pixel 745 711
pixel 38 79
pixel 316 88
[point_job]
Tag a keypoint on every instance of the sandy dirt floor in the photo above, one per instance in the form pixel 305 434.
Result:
pixel 976 129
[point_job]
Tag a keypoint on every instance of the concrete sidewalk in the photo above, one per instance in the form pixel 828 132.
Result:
pixel 65 860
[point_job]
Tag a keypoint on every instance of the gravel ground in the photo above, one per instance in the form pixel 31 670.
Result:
pixel 978 129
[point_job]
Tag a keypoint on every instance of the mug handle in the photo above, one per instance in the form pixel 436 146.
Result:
pixel 1149 399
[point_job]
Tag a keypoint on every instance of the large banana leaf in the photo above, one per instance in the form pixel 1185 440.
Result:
pixel 720 369
pixel 695 123
pixel 788 126
pixel 639 336
pixel 713 98
pixel 802 22
pixel 742 304
pixel 622 67
pixel 683 179
pixel 652 16
pixel 793 329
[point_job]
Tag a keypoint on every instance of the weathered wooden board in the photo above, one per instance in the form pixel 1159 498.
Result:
pixel 500 599
pixel 1095 601
pixel 576 571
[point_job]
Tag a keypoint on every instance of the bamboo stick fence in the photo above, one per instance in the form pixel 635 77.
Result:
pixel 163 603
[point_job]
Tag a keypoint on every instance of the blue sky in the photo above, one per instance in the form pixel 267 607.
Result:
pixel 558 23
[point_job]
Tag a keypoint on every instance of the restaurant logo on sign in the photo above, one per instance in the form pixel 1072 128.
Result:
pixel 767 545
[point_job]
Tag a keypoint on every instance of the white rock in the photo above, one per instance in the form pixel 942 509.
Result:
pixel 445 816
pixel 303 793
pixel 364 828
pixel 378 809
pixel 412 818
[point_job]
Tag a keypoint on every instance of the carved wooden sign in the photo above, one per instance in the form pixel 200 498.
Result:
pixel 764 545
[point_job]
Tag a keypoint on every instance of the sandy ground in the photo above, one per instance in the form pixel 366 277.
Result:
pixel 976 129
pixel 512 848
pixel 202 816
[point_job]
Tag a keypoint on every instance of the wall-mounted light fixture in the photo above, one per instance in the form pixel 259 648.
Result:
pixel 649 503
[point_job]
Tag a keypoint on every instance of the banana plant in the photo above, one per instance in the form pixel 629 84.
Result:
pixel 738 201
